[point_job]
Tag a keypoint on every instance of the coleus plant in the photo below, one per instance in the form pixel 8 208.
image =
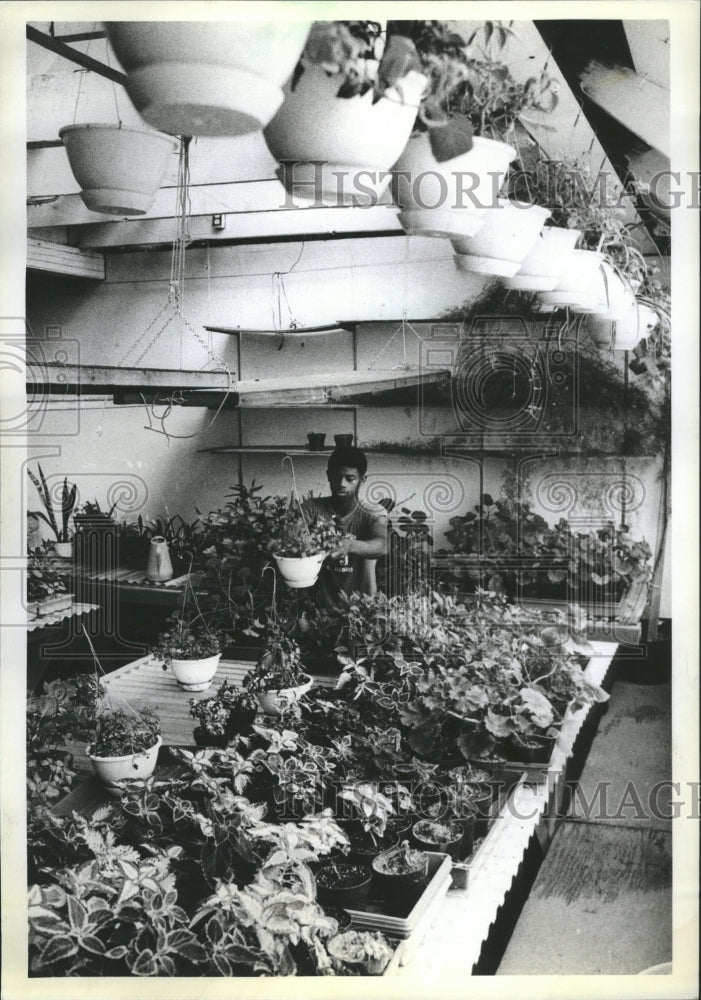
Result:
pixel 296 537
pixel 46 574
pixel 117 733
pixel 279 666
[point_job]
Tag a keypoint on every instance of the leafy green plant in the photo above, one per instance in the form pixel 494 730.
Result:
pixel 188 639
pixel 66 505
pixel 370 806
pixel 118 733
pixel 46 574
pixel 280 664
pixel 363 952
pixel 356 53
pixel 221 715
pixel 296 537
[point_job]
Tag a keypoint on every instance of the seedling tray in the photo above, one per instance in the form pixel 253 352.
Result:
pixel 402 927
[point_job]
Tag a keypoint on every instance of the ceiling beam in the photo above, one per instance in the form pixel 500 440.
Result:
pixel 636 102
pixel 87 62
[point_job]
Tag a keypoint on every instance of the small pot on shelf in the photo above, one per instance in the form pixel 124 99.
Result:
pixel 343 440
pixel 439 835
pixel 343 884
pixel 363 847
pixel 316 441
pixel 400 876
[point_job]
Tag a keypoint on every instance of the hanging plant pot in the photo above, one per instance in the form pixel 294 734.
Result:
pixel 119 169
pixel 207 77
pixel 302 571
pixel 510 229
pixel 545 261
pixel 444 199
pixel 134 765
pixel 625 332
pixel 580 285
pixel 277 702
pixel 195 675
pixel 340 149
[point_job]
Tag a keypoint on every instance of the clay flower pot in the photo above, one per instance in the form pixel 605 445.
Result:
pixel 207 77
pixel 195 675
pixel 138 765
pixel 545 261
pixel 119 169
pixel 317 136
pixel 276 702
pixel 302 571
pixel 433 196
pixel 507 235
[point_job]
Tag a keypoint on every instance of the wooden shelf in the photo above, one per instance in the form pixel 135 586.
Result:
pixel 299 451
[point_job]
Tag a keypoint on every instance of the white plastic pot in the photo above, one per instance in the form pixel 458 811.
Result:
pixel 339 150
pixel 64 549
pixel 139 765
pixel 443 199
pixel 625 332
pixel 207 77
pixel 119 169
pixel 581 284
pixel 510 229
pixel 545 261
pixel 195 675
pixel 300 572
pixel 276 702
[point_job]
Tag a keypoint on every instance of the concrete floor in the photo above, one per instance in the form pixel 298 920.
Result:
pixel 602 901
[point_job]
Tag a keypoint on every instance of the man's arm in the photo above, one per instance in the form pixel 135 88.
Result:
pixel 373 548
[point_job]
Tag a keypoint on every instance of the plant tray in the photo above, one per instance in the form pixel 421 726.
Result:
pixel 402 927
pixel 50 605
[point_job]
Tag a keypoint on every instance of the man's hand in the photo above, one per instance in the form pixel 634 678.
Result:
pixel 343 549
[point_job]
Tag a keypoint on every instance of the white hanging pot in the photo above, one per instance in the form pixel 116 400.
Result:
pixel 134 765
pixel 207 77
pixel 443 199
pixel 195 675
pixel 302 571
pixel 353 140
pixel 119 169
pixel 277 702
pixel 580 285
pixel 625 332
pixel 510 229
pixel 545 261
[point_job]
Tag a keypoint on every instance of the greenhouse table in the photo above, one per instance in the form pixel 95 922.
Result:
pixel 451 945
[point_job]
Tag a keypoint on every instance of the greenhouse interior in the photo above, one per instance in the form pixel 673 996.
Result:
pixel 346 501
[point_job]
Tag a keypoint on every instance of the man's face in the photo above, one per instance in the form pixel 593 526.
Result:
pixel 344 481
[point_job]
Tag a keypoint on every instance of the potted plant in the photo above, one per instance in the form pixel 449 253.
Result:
pixel 46 588
pixel 348 111
pixel 367 832
pixel 400 875
pixel 299 547
pixel 439 835
pixel 124 745
pixel 366 951
pixel 96 536
pixel 119 170
pixel 278 679
pixel 207 77
pixel 466 120
pixel 192 649
pixel 67 501
pixel 343 884
pixel 222 716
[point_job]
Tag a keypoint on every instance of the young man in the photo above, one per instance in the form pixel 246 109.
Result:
pixel 352 566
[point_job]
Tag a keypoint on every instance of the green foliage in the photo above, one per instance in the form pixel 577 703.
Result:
pixel 295 536
pixel 118 733
pixel 46 573
pixel 188 639
pixel 279 666
pixel 66 505
pixel 218 714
